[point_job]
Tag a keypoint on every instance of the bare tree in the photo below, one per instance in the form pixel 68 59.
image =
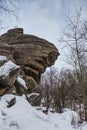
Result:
pixel 48 82
pixel 8 8
pixel 51 74
pixel 60 89
pixel 75 37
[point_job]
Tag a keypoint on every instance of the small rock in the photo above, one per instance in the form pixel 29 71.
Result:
pixel 11 102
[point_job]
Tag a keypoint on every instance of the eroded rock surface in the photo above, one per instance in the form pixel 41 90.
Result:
pixel 32 53
pixel 8 74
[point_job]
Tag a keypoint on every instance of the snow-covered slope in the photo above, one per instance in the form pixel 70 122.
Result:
pixel 22 116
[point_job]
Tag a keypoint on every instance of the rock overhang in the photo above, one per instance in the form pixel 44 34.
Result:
pixel 32 53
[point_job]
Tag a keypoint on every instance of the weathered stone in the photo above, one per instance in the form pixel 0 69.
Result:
pixel 11 102
pixel 32 53
pixel 35 100
pixel 30 83
pixel 6 50
pixel 8 75
pixel 11 90
pixel 11 34
pixel 3 90
pixel 19 88
pixel 10 78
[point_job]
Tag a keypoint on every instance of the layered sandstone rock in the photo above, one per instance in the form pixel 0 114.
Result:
pixel 32 53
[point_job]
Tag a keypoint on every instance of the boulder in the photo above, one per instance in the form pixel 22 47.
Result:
pixel 8 75
pixel 30 83
pixel 11 102
pixel 20 86
pixel 32 53
pixel 6 50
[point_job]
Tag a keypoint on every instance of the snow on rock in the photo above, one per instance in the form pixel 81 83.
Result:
pixel 32 94
pixel 22 116
pixel 7 68
pixel 22 82
pixel 2 58
pixel 8 75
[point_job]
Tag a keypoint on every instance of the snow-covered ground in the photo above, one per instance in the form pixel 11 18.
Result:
pixel 22 116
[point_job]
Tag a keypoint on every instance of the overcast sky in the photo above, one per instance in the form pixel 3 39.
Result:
pixel 45 18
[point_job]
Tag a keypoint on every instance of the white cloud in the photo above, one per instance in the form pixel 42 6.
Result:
pixel 40 18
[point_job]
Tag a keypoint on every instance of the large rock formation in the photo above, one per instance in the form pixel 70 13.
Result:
pixel 32 53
